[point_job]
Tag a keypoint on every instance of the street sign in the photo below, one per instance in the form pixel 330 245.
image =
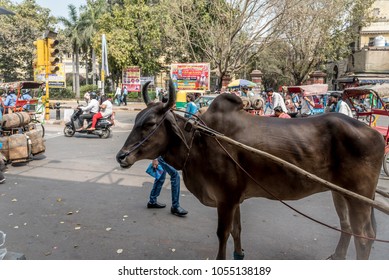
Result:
pixel 57 80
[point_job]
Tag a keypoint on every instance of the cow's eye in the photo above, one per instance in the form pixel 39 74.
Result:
pixel 149 124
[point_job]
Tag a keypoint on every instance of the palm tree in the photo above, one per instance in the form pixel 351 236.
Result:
pixel 73 32
pixel 89 26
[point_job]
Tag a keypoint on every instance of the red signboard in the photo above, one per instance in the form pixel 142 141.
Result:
pixel 190 76
pixel 131 78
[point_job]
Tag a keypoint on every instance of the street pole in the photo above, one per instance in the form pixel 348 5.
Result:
pixel 104 62
pixel 50 61
pixel 102 81
pixel 46 100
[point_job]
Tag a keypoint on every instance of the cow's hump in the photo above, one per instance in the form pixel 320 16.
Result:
pixel 226 103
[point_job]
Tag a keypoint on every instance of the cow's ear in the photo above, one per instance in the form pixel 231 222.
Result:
pixel 176 129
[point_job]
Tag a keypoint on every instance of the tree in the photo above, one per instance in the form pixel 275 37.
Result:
pixel 73 33
pixel 17 35
pixel 89 27
pixel 318 31
pixel 134 37
pixel 228 34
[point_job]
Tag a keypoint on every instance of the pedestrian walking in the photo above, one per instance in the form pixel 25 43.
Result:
pixel 158 169
pixel 124 96
pixel 118 96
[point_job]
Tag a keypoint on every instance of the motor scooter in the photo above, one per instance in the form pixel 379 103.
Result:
pixel 103 125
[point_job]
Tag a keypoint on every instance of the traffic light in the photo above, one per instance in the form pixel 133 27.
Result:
pixel 52 58
pixel 39 59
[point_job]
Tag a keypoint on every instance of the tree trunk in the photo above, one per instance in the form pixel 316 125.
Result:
pixel 74 73
pixel 77 73
pixel 86 70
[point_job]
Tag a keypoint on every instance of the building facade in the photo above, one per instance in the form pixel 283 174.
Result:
pixel 369 61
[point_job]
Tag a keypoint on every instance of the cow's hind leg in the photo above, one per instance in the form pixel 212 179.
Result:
pixel 341 208
pixel 363 224
pixel 236 230
pixel 225 213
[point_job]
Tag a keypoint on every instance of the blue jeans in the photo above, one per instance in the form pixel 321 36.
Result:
pixel 175 181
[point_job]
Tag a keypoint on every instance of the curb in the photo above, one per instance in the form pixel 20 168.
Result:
pixel 56 122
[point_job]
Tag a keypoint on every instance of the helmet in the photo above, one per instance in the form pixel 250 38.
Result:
pixel 92 95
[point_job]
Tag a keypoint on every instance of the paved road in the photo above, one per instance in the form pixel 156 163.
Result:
pixel 75 202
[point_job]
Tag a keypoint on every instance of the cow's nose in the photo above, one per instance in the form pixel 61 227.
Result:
pixel 120 156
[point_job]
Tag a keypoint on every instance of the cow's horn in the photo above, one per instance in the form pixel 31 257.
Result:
pixel 172 95
pixel 146 97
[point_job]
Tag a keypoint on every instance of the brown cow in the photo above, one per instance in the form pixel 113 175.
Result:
pixel 332 146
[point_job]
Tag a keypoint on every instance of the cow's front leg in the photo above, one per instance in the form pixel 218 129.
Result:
pixel 225 212
pixel 236 230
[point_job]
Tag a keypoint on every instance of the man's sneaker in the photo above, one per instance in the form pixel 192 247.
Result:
pixel 179 211
pixel 156 205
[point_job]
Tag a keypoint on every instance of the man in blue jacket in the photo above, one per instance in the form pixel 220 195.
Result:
pixel 10 101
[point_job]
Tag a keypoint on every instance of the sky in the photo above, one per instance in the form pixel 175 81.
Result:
pixel 58 7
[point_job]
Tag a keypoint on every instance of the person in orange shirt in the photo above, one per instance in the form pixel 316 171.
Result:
pixel 278 113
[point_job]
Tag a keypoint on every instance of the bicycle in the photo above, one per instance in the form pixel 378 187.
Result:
pixel 35 124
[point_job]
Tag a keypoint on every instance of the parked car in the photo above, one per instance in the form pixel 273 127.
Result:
pixel 205 100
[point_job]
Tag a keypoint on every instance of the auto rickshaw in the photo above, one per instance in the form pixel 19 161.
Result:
pixel 368 105
pixel 19 86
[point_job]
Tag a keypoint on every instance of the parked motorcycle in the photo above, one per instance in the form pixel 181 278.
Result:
pixel 103 125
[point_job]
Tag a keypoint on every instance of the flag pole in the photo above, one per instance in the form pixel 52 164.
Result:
pixel 102 63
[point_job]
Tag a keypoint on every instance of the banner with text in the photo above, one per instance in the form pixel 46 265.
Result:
pixel 131 79
pixel 191 76
pixel 144 80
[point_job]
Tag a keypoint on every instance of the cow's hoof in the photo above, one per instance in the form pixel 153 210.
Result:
pixel 333 257
pixel 238 256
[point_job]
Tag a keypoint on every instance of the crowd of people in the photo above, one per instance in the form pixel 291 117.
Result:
pixel 294 104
